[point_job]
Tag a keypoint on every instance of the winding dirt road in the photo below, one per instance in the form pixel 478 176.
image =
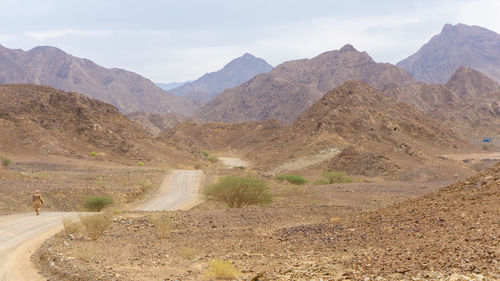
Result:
pixel 22 234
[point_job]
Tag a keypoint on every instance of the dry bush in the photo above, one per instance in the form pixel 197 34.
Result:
pixel 85 252
pixel 70 226
pixel 237 191
pixel 5 161
pixel 163 224
pixel 188 253
pixel 221 270
pixel 95 225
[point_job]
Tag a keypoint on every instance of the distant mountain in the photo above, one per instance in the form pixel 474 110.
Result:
pixel 126 90
pixel 170 86
pixel 233 74
pixel 292 87
pixel 456 45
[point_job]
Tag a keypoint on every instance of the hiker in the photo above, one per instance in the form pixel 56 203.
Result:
pixel 37 202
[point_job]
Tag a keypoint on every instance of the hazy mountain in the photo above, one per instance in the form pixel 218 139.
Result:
pixel 292 87
pixel 170 86
pixel 126 90
pixel 456 45
pixel 233 74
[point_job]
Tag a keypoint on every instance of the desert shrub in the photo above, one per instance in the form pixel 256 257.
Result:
pixel 295 179
pixel 140 163
pixel 237 191
pixel 240 167
pixel 93 154
pixel 336 177
pixel 95 225
pixel 188 253
pixel 163 224
pixel 205 153
pixel 5 161
pixel 197 165
pixel 70 226
pixel 221 270
pixel 212 159
pixel 97 203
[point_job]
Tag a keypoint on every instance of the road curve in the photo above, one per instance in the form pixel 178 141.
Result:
pixel 20 236
pixel 179 190
pixel 231 162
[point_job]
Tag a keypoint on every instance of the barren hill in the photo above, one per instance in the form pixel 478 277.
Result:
pixel 42 120
pixel 125 90
pixel 233 74
pixel 456 45
pixel 290 88
pixel 156 123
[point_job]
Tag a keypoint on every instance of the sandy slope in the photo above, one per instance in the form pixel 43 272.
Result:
pixel 231 162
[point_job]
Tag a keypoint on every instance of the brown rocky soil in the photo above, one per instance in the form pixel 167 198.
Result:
pixel 156 123
pixel 448 234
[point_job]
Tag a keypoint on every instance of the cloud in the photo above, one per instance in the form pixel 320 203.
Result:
pixel 50 34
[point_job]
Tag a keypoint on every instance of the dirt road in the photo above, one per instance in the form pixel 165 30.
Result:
pixel 179 190
pixel 493 156
pixel 21 234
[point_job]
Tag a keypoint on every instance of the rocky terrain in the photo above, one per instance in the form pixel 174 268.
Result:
pixel 156 123
pixel 449 234
pixel 41 120
pixel 231 75
pixel 456 45
pixel 290 88
pixel 125 90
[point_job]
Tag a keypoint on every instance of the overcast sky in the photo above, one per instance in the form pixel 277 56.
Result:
pixel 180 40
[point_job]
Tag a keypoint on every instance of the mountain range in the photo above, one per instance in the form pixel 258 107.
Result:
pixel 231 75
pixel 50 66
pixel 456 45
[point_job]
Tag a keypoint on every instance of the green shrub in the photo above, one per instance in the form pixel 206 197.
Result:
pixel 5 162
pixel 197 166
pixel 97 203
pixel 140 163
pixel 240 167
pixel 221 270
pixel 237 191
pixel 336 177
pixel 95 225
pixel 205 153
pixel 295 179
pixel 212 159
pixel 93 154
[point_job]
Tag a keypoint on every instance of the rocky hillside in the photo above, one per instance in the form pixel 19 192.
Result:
pixel 292 87
pixel 42 120
pixel 233 74
pixel 156 123
pixel 125 90
pixel 456 45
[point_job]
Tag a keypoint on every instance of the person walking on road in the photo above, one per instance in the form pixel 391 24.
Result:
pixel 37 202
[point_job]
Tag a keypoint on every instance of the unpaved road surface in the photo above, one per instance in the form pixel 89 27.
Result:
pixel 305 162
pixel 231 162
pixel 494 156
pixel 20 235
pixel 179 190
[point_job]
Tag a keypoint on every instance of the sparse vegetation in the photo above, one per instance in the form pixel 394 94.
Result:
pixel 240 167
pixel 95 225
pixel 97 203
pixel 237 191
pixel 188 253
pixel 209 156
pixel 5 161
pixel 224 270
pixel 70 226
pixel 93 154
pixel 197 165
pixel 163 224
pixel 336 177
pixel 205 153
pixel 294 179
pixel 140 163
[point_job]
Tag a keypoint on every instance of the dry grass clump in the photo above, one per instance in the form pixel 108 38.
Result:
pixel 163 224
pixel 94 226
pixel 86 252
pixel 224 270
pixel 188 253
pixel 70 226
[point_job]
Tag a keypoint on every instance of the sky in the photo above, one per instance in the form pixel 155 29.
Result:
pixel 173 41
